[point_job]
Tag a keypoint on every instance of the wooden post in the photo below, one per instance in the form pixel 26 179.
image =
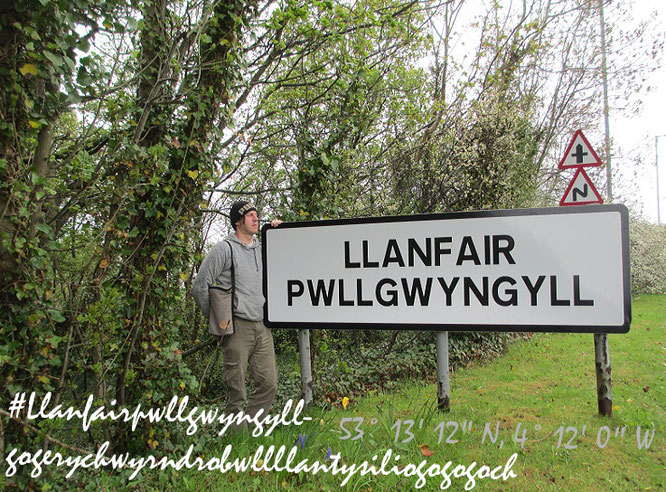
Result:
pixel 603 369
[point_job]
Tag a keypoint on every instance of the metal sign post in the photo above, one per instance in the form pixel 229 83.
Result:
pixel 443 385
pixel 581 191
pixel 306 367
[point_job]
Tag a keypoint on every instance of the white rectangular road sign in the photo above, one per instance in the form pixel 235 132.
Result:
pixel 552 269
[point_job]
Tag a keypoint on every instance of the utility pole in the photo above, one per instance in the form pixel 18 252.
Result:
pixel 604 74
pixel 656 162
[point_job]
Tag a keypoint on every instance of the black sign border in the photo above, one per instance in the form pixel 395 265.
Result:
pixel 585 209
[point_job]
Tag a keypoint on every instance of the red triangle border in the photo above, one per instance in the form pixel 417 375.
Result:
pixel 561 165
pixel 580 170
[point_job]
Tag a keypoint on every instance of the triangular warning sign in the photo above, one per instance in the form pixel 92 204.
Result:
pixel 581 191
pixel 579 153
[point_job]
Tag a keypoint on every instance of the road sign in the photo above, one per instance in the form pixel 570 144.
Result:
pixel 554 270
pixel 581 191
pixel 579 153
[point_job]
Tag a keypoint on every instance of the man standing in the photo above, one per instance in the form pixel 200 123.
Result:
pixel 251 342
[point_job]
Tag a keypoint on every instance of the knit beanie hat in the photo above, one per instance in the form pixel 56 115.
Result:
pixel 238 210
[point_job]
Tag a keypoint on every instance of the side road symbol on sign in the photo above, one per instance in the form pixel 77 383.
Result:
pixel 579 153
pixel 581 191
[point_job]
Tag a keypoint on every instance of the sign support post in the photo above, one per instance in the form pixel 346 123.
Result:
pixel 603 369
pixel 443 384
pixel 306 368
pixel 577 194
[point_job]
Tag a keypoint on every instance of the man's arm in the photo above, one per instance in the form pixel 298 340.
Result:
pixel 211 267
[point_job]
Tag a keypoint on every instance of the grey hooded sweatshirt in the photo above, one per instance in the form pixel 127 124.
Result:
pixel 215 269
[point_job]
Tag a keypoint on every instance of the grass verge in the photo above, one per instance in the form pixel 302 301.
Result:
pixel 538 401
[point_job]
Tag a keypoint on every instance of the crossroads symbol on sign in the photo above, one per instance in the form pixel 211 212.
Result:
pixel 579 153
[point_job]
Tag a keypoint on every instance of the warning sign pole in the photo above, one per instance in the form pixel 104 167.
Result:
pixel 577 194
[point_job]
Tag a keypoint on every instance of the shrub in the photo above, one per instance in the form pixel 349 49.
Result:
pixel 648 256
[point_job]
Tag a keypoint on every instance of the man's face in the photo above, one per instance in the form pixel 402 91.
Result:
pixel 249 224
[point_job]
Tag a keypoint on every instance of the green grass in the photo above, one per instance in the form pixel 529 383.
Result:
pixel 541 384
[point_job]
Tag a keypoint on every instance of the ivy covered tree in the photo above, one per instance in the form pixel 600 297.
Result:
pixel 108 142
pixel 44 70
